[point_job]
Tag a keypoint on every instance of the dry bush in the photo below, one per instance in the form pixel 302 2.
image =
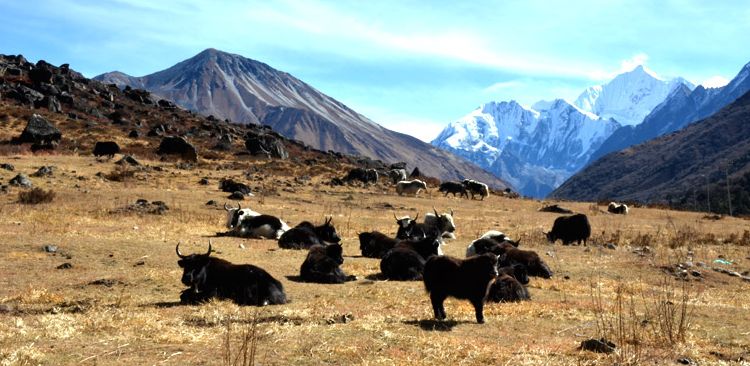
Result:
pixel 120 174
pixel 36 196
pixel 620 323
pixel 243 350
pixel 668 312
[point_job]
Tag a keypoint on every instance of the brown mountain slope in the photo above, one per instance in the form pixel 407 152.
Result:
pixel 676 168
pixel 244 90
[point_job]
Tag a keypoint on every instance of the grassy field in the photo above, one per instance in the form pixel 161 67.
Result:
pixel 118 303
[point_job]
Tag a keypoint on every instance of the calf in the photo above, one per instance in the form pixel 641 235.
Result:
pixel 405 262
pixel 410 187
pixel 467 279
pixel 106 148
pixel 453 187
pixel 322 265
pixel 569 229
pixel 617 208
pixel 306 235
pixel 260 227
pixel 475 187
pixel 209 277
pixel 375 244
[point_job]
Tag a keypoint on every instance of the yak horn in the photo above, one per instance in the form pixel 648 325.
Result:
pixel 436 213
pixel 416 217
pixel 177 249
pixel 239 207
pixel 225 206
pixel 209 248
pixel 394 216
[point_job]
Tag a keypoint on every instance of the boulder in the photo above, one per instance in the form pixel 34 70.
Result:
pixel 264 144
pixel 175 145
pixel 45 171
pixel 40 132
pixel 21 180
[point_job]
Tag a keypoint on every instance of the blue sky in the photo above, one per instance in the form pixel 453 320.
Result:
pixel 412 66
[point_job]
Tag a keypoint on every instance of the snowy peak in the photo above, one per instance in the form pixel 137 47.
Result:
pixel 630 96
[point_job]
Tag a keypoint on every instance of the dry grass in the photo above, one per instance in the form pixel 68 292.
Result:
pixel 36 196
pixel 65 316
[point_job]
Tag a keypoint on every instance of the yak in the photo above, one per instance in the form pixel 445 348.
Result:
pixel 569 229
pixel 210 277
pixel 322 265
pixel 306 235
pixel 405 262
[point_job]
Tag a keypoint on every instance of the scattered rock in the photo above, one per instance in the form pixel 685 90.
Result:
pixel 45 171
pixel 5 308
pixel 128 160
pixel 340 319
pixel 212 203
pixel 142 206
pixel 21 180
pixel 8 167
pixel 598 345
pixel 203 181
pixel 66 265
pixel 40 133
pixel 686 361
pixel 49 248
pixel 265 144
pixel 106 282
pixel 611 246
pixel 695 273
pixel 139 263
pixel 241 246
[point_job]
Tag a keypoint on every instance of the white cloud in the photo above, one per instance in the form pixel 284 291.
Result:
pixel 715 82
pixel 631 63
pixel 422 128
pixel 502 85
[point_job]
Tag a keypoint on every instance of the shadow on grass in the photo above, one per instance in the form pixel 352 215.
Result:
pixel 164 304
pixel 436 325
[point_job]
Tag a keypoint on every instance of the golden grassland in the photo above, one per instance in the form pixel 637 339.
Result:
pixel 64 316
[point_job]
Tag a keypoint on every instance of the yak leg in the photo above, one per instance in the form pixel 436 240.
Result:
pixel 437 306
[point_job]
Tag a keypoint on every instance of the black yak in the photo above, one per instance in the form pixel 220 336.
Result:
pixel 375 244
pixel 209 277
pixel 453 187
pixel 509 284
pixel 322 265
pixel 306 235
pixel 569 229
pixel 467 279
pixel 106 148
pixel 405 262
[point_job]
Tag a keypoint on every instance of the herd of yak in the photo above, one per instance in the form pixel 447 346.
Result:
pixel 495 268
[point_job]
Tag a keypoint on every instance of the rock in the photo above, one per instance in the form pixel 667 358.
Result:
pixel 175 145
pixel 106 282
pixel 611 246
pixel 40 132
pixel 203 181
pixel 265 144
pixel 212 203
pixel 50 103
pixel 5 308
pixel 66 265
pixel 4 189
pixel 415 173
pixel 49 248
pixel 8 167
pixel 40 74
pixel 685 361
pixel 695 273
pixel 598 345
pixel 134 134
pixel 45 171
pixel 128 160
pixel 21 180
pixel 399 165
pixel 236 196
pixel 139 263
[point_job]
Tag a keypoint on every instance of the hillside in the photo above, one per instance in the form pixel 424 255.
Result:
pixel 675 168
pixel 233 87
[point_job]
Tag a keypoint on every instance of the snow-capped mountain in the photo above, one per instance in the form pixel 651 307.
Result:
pixel 534 150
pixel 537 148
pixel 630 96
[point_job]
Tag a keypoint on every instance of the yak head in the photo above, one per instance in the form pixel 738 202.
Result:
pixel 194 267
pixel 551 237
pixel 327 232
pixel 335 252
pixel 405 226
pixel 445 221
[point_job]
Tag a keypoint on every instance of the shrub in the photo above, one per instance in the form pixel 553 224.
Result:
pixel 36 196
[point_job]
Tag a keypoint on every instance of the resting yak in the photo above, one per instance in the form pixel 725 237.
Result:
pixel 210 277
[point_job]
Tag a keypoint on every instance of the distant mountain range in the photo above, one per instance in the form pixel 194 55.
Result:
pixel 233 87
pixel 537 148
pixel 678 168
pixel 682 107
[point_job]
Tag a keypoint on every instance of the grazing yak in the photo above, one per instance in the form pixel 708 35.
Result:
pixel 467 279
pixel 322 265
pixel 454 188
pixel 617 208
pixel 106 148
pixel 405 262
pixel 509 285
pixel 569 229
pixel 397 175
pixel 306 235
pixel 236 215
pixel 375 244
pixel 487 243
pixel 260 227
pixel 210 277
pixel 410 187
pixel 475 187
pixel 362 175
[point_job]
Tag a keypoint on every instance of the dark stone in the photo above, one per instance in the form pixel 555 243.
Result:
pixel 8 167
pixel 49 248
pixel 21 180
pixel 203 181
pixel 598 345
pixel 45 171
pixel 134 134
pixel 40 74
pixel 66 265
pixel 50 103
pixel 129 160
pixel 175 145
pixel 40 132
pixel 163 103
pixel 236 196
pixel 66 98
pixel 264 144
pixel 415 173
pixel 212 203
pixel 399 165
